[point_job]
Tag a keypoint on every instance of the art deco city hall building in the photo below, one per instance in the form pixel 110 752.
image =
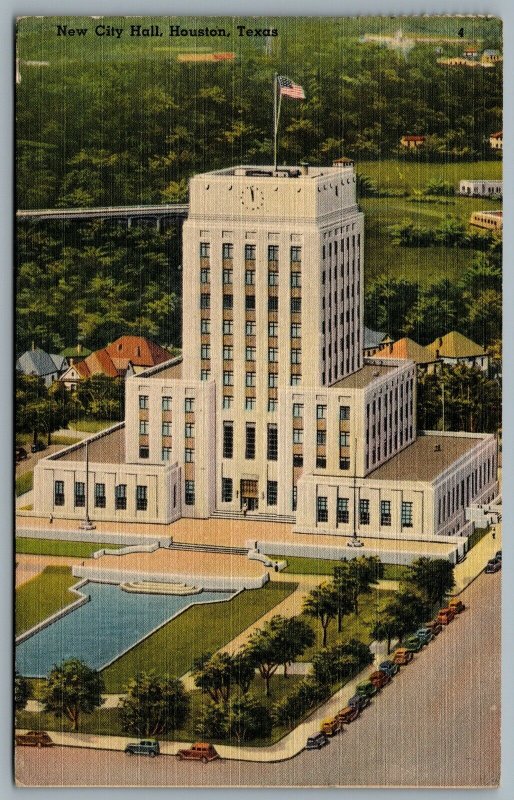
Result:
pixel 273 413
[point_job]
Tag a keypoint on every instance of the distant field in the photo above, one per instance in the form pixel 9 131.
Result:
pixel 410 175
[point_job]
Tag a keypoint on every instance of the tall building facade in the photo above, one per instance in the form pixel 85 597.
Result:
pixel 273 412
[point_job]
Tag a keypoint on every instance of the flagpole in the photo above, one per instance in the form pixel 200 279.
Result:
pixel 275 120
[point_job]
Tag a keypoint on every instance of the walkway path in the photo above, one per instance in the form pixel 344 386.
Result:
pixel 477 558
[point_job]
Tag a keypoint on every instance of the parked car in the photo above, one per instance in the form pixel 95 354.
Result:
pixel 366 688
pixel 359 701
pixel 434 626
pixel 413 644
pixel 37 446
pixel 34 739
pixel 402 656
pixel 199 752
pixel 425 635
pixel 316 742
pixel 493 566
pixel 330 726
pixel 380 679
pixel 21 454
pixel 145 747
pixel 457 605
pixel 348 714
pixel 389 667
pixel 445 616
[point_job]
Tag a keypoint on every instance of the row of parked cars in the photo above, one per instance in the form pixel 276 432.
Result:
pixel 381 677
pixel 494 564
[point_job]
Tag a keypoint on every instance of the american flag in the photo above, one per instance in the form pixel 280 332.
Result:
pixel 290 89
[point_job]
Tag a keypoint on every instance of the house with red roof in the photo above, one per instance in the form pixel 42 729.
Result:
pixel 412 142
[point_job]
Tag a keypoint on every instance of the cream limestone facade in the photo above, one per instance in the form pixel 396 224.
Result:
pixel 273 413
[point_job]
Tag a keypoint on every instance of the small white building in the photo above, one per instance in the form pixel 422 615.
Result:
pixel 480 188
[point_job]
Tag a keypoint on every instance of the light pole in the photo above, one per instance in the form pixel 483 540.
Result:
pixel 86 524
pixel 355 541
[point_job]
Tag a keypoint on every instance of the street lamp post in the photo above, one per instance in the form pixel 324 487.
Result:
pixel 86 524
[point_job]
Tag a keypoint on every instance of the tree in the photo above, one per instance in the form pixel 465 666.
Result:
pixel 72 689
pixel 247 718
pixel 384 629
pixel 321 603
pixel 22 691
pixel 438 186
pixel 215 676
pixel 243 670
pixel 433 576
pixel 307 694
pixel 153 705
pixel 293 637
pixel 102 397
pixel 405 612
pixel 355 577
pixel 263 650
pixel 344 590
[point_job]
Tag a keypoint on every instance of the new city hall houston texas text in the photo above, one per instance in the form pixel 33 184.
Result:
pixel 273 413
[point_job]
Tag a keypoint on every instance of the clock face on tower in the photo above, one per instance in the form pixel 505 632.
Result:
pixel 252 198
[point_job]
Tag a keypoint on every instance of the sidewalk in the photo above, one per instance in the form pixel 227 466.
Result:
pixel 477 558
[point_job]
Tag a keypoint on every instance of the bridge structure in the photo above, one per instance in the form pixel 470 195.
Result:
pixel 176 212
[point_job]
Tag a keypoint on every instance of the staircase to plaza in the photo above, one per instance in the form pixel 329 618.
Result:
pixel 209 548
pixel 250 516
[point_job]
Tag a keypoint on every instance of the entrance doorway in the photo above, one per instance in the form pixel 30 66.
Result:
pixel 249 493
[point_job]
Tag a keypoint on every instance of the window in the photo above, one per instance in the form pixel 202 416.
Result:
pixel 297 460
pixel 297 435
pixel 166 454
pixel 205 351
pixel 189 404
pixel 227 277
pixel 344 412
pixel 273 252
pixel 273 354
pixel 189 430
pixel 228 439
pixel 100 495
pixel 296 356
pixel 344 439
pixel 80 495
pixel 228 327
pixel 296 254
pixel 250 379
pixel 205 300
pixel 189 493
pixel 249 252
pixel 321 437
pixel 250 353
pixel 228 378
pixel 166 428
pixel 272 404
pixel 250 441
pixel 294 498
pixel 296 330
pixel 250 302
pixel 227 401
pixel 228 250
pixel 272 380
pixel 120 497
pixel 143 427
pixel 204 249
pixel 296 280
pixel 272 329
pixel 322 509
pixel 250 403
pixel 407 515
pixel 226 490
pixel 272 278
pixel 321 462
pixel 272 493
pixel 228 301
pixel 321 412
pixel 343 514
pixel 344 463
pixel 189 455
pixel 58 493
pixel 166 403
pixel 272 448
pixel 272 303
pixel 250 277
pixel 297 410
pixel 205 374
pixel 205 275
pixel 144 451
pixel 364 512
pixel 296 305
pixel 143 402
pixel 205 326
pixel 385 512
pixel 250 328
pixel 296 380
pixel 228 353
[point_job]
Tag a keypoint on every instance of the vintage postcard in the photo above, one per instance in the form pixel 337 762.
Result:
pixel 258 401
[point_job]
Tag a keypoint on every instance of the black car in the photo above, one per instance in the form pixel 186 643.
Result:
pixel 36 447
pixel 498 555
pixel 494 565
pixel 361 701
pixel 316 742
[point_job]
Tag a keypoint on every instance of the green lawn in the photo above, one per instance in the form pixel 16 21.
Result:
pixel 413 175
pixel 42 596
pixel 298 565
pixel 91 425
pixel 24 483
pixel 60 547
pixel 202 628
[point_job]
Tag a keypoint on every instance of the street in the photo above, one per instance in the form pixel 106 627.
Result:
pixel 437 724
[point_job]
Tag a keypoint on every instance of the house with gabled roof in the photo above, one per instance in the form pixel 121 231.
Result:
pixel 48 366
pixel 374 341
pixel 408 349
pixel 455 348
